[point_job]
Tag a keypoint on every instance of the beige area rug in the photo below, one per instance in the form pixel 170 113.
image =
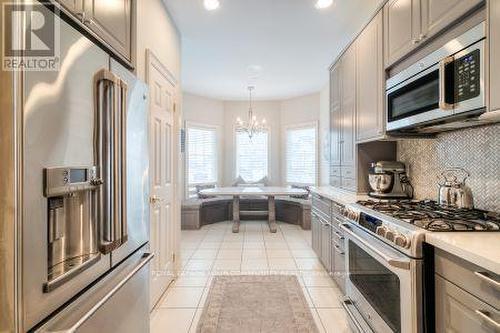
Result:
pixel 256 303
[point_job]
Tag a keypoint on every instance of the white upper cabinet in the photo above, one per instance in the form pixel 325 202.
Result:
pixel 335 113
pixel 402 28
pixel 438 14
pixel 494 44
pixel 111 21
pixel 74 6
pixel 371 82
pixel 410 23
pixel 348 106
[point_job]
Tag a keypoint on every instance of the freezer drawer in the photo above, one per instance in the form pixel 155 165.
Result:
pixel 117 303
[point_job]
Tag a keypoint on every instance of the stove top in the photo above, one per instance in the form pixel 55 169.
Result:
pixel 430 216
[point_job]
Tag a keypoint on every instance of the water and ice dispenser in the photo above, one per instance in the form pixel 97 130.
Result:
pixel 71 222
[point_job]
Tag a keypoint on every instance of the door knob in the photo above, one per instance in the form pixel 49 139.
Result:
pixel 155 199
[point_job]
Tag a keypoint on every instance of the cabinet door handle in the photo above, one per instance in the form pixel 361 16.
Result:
pixel 486 316
pixel 484 276
pixel 338 250
pixel 339 235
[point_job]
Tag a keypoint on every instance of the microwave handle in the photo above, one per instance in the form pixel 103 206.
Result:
pixel 443 104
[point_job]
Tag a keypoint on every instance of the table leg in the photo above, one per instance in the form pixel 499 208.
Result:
pixel 273 227
pixel 236 214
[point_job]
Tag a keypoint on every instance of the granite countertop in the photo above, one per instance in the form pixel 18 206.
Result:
pixel 338 195
pixel 479 248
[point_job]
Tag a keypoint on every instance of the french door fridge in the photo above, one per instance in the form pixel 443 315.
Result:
pixel 84 194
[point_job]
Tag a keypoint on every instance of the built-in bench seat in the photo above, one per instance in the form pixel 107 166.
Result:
pixel 197 212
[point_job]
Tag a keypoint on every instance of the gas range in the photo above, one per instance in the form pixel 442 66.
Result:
pixel 431 216
pixel 402 224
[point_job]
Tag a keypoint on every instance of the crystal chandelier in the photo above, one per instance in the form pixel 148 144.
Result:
pixel 252 125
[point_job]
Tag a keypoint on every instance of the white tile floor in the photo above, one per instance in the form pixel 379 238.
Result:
pixel 214 249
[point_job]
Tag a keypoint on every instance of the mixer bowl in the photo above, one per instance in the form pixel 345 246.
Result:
pixel 381 182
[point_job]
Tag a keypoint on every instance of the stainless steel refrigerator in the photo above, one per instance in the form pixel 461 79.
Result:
pixel 75 247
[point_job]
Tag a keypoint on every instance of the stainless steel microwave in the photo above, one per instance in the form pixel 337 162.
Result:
pixel 443 88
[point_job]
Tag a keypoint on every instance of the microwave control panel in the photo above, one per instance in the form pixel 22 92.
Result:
pixel 467 76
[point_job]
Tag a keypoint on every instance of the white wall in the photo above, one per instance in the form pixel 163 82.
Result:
pixel 206 111
pixel 156 31
pixel 203 110
pixel 298 110
pixel 278 114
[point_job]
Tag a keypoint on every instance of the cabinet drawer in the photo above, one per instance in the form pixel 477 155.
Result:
pixel 335 181
pixel 338 266
pixel 348 172
pixel 338 236
pixel 460 312
pixel 335 171
pixel 472 278
pixel 349 184
pixel 322 205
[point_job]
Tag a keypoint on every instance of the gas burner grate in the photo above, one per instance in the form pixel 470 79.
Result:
pixel 431 216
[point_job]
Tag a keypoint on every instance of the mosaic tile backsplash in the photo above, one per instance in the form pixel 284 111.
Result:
pixel 477 150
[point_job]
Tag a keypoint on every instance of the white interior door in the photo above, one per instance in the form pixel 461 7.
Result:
pixel 162 104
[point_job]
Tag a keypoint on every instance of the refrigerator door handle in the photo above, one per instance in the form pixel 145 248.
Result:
pixel 105 94
pixel 116 145
pixel 146 258
pixel 123 160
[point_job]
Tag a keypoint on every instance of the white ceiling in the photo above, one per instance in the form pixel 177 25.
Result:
pixel 290 41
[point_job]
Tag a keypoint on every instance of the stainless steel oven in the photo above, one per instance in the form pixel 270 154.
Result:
pixel 447 86
pixel 383 285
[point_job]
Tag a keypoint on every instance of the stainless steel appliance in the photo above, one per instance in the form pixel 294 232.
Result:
pixel 80 178
pixel 444 90
pixel 388 180
pixel 385 261
pixel 454 192
pixel 71 223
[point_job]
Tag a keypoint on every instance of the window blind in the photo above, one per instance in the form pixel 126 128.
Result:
pixel 252 156
pixel 201 155
pixel 301 164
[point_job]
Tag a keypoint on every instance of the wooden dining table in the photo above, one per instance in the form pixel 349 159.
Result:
pixel 270 192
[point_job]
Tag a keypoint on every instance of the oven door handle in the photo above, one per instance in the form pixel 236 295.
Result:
pixel 443 104
pixel 394 262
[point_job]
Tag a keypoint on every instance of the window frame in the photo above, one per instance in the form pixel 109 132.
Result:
pixel 235 150
pixel 198 125
pixel 298 126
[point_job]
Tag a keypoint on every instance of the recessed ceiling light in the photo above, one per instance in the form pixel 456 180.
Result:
pixel 322 4
pixel 211 4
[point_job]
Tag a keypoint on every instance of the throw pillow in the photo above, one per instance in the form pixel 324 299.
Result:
pixel 305 196
pixel 204 187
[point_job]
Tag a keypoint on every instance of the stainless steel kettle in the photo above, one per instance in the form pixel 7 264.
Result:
pixel 454 192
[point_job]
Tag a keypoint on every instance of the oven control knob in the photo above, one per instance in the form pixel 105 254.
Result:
pixel 402 241
pixel 351 214
pixel 390 235
pixel 381 231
